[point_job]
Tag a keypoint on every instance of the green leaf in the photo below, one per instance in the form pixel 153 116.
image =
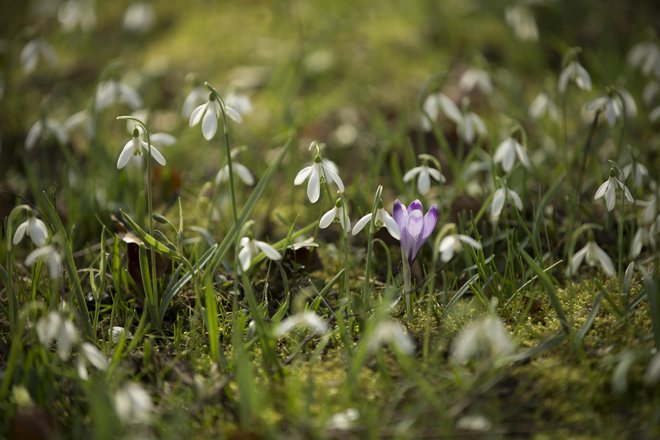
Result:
pixel 150 240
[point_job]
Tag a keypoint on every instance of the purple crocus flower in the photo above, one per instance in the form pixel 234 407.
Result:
pixel 415 227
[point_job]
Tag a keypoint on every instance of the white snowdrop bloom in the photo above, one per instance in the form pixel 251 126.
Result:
pixel 521 20
pixel 435 104
pixel 638 171
pixel 475 79
pixel 454 243
pixel 336 214
pixel 139 17
pixel 89 354
pixel 317 173
pixel 239 169
pixel 51 256
pixel 80 119
pixel 484 339
pixel 646 57
pixel 651 90
pixel 77 13
pixel 136 147
pixel 641 238
pixel 650 209
pixel 33 51
pixel 424 174
pixel 393 334
pixel 117 332
pixel 197 96
pixel 34 228
pixel 506 154
pixel 471 127
pixel 612 105
pixel 54 327
pixel 41 129
pixel 239 102
pixel 344 420
pixel 574 72
pixel 307 319
pixel 499 198
pixel 115 91
pixel 251 248
pixel 609 188
pixel 301 243
pixel 208 114
pixel 133 404
pixel 594 256
pixel 543 105
pixel 382 219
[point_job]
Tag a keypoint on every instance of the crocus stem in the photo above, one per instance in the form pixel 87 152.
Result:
pixel 407 284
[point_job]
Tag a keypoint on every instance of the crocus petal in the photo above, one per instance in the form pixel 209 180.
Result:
pixel 400 215
pixel 209 125
pixel 20 232
pixel 268 250
pixel 327 218
pixel 302 175
pixel 197 114
pixel 413 235
pixel 430 220
pixel 314 185
pixel 361 223
pixel 125 154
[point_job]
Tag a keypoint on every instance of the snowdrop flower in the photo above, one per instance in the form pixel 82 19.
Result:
pixel 133 405
pixel 594 256
pixel 638 171
pixel 208 113
pixel 608 190
pixel 475 78
pixel 643 237
pixel 344 420
pixel 506 154
pixel 542 105
pixel 650 209
pixel 77 13
pixel 89 354
pixel 471 126
pixel 139 17
pixel 484 339
pixel 415 227
pixel 307 319
pixel 646 57
pixel 136 147
pixel 34 50
pixel 424 174
pixel 501 196
pixel 317 173
pixel 436 103
pixel 392 333
pixel 521 20
pixel 117 332
pixel 382 219
pixel 239 169
pixel 115 91
pixel 50 255
pixel 454 243
pixel 613 106
pixel 33 228
pixel 251 248
pixel 336 215
pixel 42 128
pixel 576 73
pixel 54 327
pixel 197 96
pixel 300 243
pixel 239 102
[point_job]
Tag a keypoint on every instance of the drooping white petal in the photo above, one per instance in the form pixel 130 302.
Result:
pixel 604 260
pixel 361 223
pixel 197 114
pixel 522 155
pixel 245 258
pixel 516 199
pixel 233 114
pixel 157 156
pixel 437 175
pixel 391 226
pixel 450 109
pixel 307 319
pixel 410 174
pixel 126 154
pixel 334 177
pixel 33 135
pixel 564 76
pixel 392 333
pixel 244 173
pixel 497 203
pixel 576 259
pixel 37 231
pixel 67 337
pixel 268 250
pixel 209 125
pixel 600 192
pixel 162 139
pixel 327 218
pixel 302 175
pixel 314 184
pixel 424 182
pixel 610 195
pixel 94 356
pixel 447 247
pixel 470 241
pixel 20 232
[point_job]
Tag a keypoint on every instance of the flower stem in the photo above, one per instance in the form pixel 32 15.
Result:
pixel 407 283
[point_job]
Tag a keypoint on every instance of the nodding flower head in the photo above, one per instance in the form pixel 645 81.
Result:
pixel 415 227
